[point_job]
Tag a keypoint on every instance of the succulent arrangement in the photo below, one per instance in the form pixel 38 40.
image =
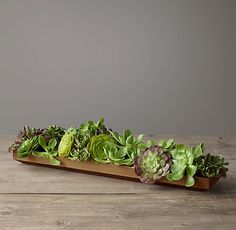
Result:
pixel 92 141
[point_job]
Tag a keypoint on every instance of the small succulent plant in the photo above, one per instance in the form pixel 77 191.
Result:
pixel 54 132
pixel 26 133
pixel 27 147
pixel 99 147
pixel 152 164
pixel 91 128
pixel 211 166
pixel 67 142
pixel 49 150
pixel 183 163
pixel 79 154
pixel 129 144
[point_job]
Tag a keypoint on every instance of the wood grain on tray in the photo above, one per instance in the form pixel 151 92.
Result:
pixel 112 170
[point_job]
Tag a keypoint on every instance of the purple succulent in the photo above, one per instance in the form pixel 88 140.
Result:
pixel 152 164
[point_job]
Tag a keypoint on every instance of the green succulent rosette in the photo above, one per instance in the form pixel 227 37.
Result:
pixel 211 166
pixel 27 147
pixel 99 147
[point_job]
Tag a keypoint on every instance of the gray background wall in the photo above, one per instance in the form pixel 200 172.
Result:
pixel 166 67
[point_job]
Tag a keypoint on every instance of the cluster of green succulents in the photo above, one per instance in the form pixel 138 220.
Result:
pixel 25 134
pixel 54 132
pixel 174 161
pixel 93 141
pixel 82 137
pixel 183 157
pixel 211 166
pixel 115 148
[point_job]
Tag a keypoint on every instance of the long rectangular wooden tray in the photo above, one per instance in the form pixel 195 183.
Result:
pixel 111 170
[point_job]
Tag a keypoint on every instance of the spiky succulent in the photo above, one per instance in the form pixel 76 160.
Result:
pixel 79 154
pixel 27 146
pixel 25 133
pixel 91 128
pixel 54 132
pixel 211 166
pixel 152 164
pixel 66 142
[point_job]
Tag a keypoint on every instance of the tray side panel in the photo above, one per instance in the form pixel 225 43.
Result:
pixel 111 170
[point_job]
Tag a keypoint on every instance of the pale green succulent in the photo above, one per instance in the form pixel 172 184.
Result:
pixel 99 147
pixel 66 142
pixel 49 150
pixel 183 163
pixel 129 146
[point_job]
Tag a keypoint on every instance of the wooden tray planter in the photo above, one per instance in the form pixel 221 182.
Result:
pixel 111 170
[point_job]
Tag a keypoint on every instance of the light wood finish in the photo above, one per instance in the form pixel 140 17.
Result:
pixel 34 197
